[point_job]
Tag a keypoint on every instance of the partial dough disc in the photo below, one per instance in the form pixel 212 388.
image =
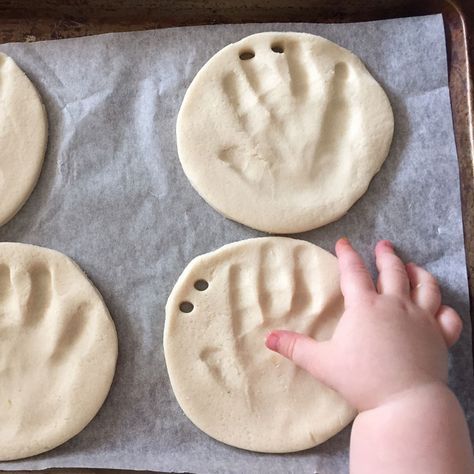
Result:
pixel 283 131
pixel 23 137
pixel 58 349
pixel 227 382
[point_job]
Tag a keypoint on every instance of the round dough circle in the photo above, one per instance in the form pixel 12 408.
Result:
pixel 287 140
pixel 23 138
pixel 226 381
pixel 58 350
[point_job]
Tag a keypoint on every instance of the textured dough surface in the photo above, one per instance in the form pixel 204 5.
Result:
pixel 23 137
pixel 58 349
pixel 224 378
pixel 283 141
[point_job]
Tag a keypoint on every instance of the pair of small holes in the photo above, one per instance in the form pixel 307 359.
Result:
pixel 187 306
pixel 246 55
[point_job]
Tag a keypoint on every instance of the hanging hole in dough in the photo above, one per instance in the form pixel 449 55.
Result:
pixel 186 307
pixel 278 48
pixel 201 285
pixel 246 55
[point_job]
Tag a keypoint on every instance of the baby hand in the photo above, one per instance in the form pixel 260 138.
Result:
pixel 392 337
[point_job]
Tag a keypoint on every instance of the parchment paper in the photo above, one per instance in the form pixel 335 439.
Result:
pixel 113 196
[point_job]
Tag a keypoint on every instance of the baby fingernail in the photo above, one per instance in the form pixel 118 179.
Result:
pixel 272 341
pixel 388 244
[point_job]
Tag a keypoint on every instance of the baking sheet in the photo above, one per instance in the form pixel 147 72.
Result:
pixel 113 196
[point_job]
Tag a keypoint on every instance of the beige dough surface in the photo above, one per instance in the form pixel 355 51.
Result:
pixel 23 137
pixel 226 381
pixel 58 349
pixel 286 139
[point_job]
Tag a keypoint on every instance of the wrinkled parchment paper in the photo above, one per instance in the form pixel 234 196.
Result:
pixel 113 196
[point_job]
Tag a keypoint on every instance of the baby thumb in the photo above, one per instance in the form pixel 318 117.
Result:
pixel 304 351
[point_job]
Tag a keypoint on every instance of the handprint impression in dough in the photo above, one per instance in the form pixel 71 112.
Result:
pixel 30 312
pixel 274 292
pixel 291 110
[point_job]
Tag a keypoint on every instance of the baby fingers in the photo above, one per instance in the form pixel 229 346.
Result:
pixel 304 351
pixel 425 290
pixel 356 281
pixel 450 324
pixel 393 277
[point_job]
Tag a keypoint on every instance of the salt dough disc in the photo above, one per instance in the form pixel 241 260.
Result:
pixel 23 137
pixel 283 132
pixel 226 381
pixel 58 349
